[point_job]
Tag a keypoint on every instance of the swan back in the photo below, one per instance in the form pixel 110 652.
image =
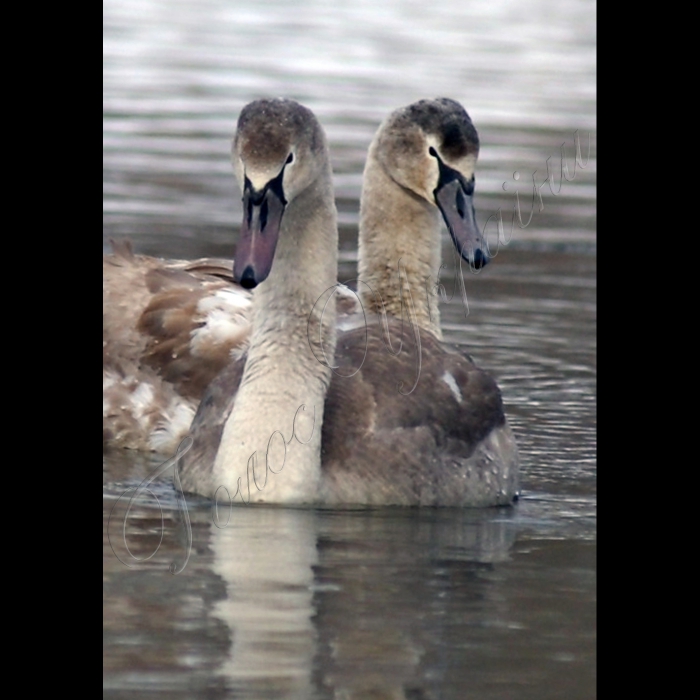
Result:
pixel 410 422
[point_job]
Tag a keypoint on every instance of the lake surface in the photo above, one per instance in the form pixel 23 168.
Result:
pixel 380 603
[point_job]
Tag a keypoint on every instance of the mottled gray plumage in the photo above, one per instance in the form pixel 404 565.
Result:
pixel 388 443
pixel 159 353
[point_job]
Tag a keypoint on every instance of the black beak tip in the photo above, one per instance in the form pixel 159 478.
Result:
pixel 248 280
pixel 480 259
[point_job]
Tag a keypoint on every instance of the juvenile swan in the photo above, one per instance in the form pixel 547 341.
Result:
pixel 168 328
pixel 288 250
pixel 424 426
pixel 407 422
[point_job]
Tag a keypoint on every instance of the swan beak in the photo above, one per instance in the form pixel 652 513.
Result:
pixel 262 218
pixel 458 211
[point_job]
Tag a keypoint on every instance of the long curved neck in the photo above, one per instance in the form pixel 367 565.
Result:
pixel 286 375
pixel 399 248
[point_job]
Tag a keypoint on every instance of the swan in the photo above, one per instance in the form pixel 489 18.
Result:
pixel 296 423
pixel 287 251
pixel 168 328
pixel 431 429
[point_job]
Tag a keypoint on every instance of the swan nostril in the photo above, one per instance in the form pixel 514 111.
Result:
pixel 263 216
pixel 461 204
pixel 248 280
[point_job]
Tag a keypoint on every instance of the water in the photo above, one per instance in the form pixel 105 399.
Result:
pixel 286 603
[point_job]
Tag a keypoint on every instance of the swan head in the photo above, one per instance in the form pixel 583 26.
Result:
pixel 431 148
pixel 278 151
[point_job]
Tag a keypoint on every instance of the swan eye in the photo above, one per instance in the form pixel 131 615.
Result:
pixel 433 152
pixel 290 159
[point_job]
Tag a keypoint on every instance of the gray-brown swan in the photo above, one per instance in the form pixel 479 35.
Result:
pixel 168 328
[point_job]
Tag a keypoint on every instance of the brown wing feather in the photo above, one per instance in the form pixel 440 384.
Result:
pixel 168 323
pixel 208 424
pixel 151 315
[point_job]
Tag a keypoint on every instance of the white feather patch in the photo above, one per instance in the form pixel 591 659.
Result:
pixel 450 381
pixel 226 318
pixel 142 399
pixel 172 427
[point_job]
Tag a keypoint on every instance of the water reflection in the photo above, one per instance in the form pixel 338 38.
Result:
pixel 266 558
pixel 383 608
pixel 387 603
pixel 308 600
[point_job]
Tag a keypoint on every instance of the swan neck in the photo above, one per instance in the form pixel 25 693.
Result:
pixel 270 449
pixel 399 249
